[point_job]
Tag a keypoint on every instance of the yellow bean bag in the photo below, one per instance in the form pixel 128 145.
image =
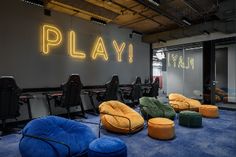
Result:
pixel 180 102
pixel 161 128
pixel 120 118
pixel 209 111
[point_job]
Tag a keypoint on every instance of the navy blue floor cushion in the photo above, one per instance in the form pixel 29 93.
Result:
pixel 107 147
pixel 36 134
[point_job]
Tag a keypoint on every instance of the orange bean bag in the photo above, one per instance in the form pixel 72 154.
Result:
pixel 180 103
pixel 161 128
pixel 120 118
pixel 209 111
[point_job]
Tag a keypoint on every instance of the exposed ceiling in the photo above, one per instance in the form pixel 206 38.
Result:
pixel 156 23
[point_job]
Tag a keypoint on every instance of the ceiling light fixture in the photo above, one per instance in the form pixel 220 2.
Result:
pixel 136 32
pixel 155 2
pixel 39 3
pixel 206 32
pixel 98 21
pixel 186 21
pixel 161 41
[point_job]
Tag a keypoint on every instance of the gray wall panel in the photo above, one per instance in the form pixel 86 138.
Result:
pixel 20 52
pixel 20 49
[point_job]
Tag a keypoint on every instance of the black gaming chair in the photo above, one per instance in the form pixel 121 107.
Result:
pixel 71 91
pixel 9 99
pixel 112 90
pixel 154 91
pixel 135 93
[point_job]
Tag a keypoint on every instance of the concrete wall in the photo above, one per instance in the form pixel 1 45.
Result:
pixel 21 56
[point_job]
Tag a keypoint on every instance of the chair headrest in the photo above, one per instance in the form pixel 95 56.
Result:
pixel 74 78
pixel 6 81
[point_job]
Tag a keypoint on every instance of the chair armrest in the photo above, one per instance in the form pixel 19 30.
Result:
pixel 48 140
pixel 105 113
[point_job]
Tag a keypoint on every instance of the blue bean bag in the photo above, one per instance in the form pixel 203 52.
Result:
pixel 74 134
pixel 107 147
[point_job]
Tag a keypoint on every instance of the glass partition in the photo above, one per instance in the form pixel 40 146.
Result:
pixel 181 70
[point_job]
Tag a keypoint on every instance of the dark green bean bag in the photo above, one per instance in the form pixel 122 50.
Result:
pixel 190 119
pixel 151 108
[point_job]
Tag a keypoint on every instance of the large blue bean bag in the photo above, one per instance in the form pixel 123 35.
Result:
pixel 107 147
pixel 74 134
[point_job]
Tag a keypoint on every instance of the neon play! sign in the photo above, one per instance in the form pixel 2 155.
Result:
pixel 52 38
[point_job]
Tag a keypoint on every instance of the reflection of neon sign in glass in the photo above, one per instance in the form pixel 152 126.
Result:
pixel 178 61
pixel 52 38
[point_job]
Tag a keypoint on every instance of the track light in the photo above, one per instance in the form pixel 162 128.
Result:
pixel 133 33
pixel 162 41
pixel 47 12
pixel 98 21
pixel 39 3
pixel 206 32
pixel 136 32
pixel 186 21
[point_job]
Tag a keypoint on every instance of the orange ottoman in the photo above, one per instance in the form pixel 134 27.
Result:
pixel 161 128
pixel 209 111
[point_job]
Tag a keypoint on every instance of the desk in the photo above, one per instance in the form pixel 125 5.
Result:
pixel 91 93
pixel 146 88
pixel 50 96
pixel 25 99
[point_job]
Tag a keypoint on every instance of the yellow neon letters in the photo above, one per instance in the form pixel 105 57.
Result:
pixel 119 50
pixel 131 53
pixel 72 49
pixel 51 37
pixel 99 49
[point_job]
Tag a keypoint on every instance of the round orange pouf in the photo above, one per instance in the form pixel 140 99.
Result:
pixel 209 111
pixel 161 128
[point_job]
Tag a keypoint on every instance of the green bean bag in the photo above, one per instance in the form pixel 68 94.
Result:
pixel 190 119
pixel 151 108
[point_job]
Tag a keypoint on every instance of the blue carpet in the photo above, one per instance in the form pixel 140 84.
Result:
pixel 217 138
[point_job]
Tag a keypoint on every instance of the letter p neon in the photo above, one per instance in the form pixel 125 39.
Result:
pixel 51 37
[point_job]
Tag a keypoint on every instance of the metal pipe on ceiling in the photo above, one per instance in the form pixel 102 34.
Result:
pixel 162 12
pixel 122 6
pixel 136 21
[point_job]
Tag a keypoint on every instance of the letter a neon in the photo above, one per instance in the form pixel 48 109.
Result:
pixel 99 49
